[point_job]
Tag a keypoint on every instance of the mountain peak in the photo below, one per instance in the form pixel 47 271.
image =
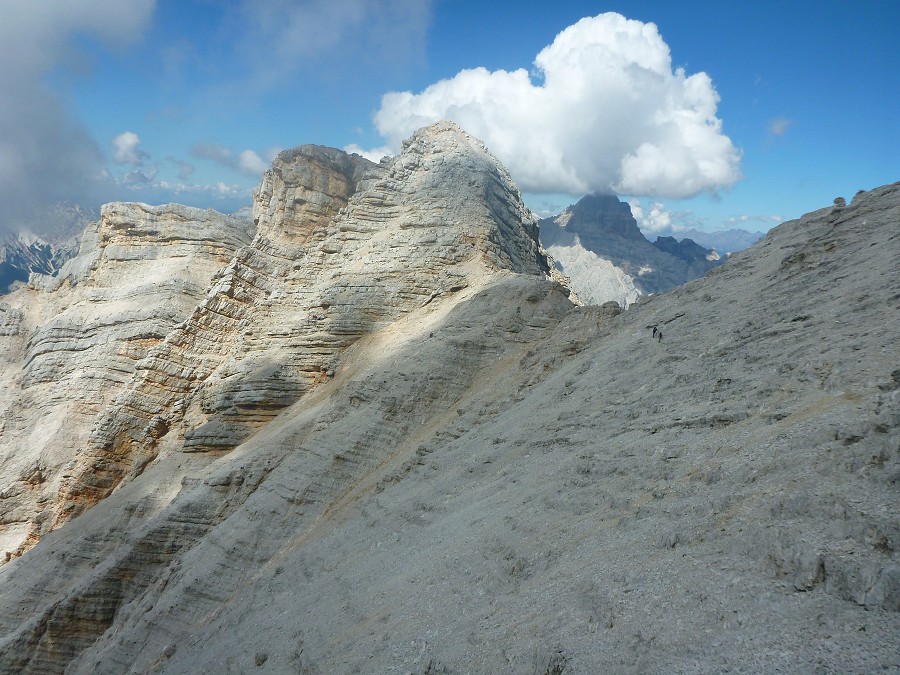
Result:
pixel 603 213
pixel 600 231
pixel 446 130
pixel 237 329
pixel 686 249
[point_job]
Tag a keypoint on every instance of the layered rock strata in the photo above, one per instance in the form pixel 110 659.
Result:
pixel 72 342
pixel 342 247
pixel 498 481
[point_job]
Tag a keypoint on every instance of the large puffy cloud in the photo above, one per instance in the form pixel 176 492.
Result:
pixel 607 113
pixel 45 154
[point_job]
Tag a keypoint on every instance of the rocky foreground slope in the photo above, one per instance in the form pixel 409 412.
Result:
pixel 493 479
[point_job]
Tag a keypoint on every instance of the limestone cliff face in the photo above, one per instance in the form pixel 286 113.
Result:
pixel 70 343
pixel 342 247
pixel 499 481
pixel 598 245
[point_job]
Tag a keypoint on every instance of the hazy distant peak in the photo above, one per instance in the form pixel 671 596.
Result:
pixel 604 226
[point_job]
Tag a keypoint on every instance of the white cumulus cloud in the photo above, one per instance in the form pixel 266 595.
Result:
pixel 654 219
pixel 125 149
pixel 604 112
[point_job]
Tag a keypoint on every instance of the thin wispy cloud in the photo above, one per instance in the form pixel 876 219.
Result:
pixel 745 220
pixel 776 130
pixel 219 189
pixel 248 162
pixel 377 33
pixel 143 174
pixel 779 127
pixel 185 169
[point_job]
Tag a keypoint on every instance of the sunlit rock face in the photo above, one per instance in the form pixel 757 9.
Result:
pixel 381 439
pixel 72 342
pixel 180 334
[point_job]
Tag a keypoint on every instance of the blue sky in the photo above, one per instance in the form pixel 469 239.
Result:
pixel 187 100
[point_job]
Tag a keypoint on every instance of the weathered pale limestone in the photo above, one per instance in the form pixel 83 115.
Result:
pixel 484 477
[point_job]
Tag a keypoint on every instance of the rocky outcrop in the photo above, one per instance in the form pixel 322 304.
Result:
pixel 342 247
pixel 598 245
pixel 496 480
pixel 73 341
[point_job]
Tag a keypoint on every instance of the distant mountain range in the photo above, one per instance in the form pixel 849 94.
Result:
pixel 24 251
pixel 586 249
pixel 723 241
pixel 597 243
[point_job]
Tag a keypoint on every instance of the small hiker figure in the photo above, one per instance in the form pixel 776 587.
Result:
pixel 654 331
pixel 659 336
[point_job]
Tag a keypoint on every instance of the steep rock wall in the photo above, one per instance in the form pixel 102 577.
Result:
pixel 501 482
pixel 342 247
pixel 598 245
pixel 73 341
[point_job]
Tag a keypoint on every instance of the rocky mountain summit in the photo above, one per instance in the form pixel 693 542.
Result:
pixel 189 336
pixel 598 245
pixel 381 439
